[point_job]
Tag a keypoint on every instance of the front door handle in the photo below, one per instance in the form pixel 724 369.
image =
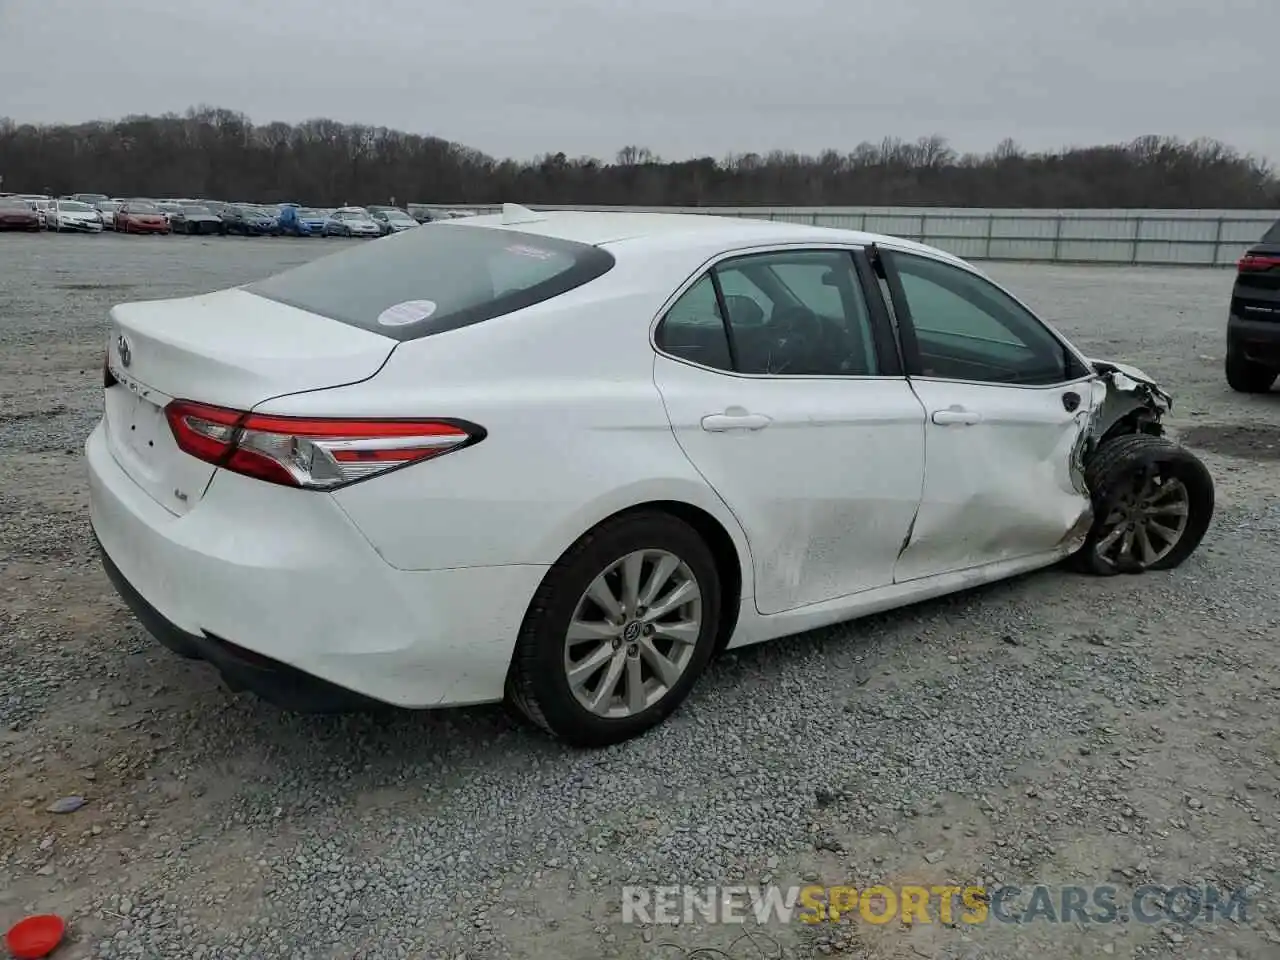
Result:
pixel 734 419
pixel 956 416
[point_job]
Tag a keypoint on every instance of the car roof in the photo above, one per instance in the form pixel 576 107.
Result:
pixel 676 230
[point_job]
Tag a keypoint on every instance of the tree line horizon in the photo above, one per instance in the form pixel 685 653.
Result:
pixel 217 153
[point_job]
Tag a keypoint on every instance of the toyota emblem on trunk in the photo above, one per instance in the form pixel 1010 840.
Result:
pixel 126 354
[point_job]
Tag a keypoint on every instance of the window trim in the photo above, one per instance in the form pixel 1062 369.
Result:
pixel 911 346
pixel 883 340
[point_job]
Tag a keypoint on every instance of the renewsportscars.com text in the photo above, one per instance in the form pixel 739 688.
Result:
pixel 973 905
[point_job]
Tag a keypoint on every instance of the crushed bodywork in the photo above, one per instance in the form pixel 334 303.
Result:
pixel 1130 402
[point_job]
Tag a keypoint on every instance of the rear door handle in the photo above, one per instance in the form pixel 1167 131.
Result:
pixel 734 420
pixel 956 416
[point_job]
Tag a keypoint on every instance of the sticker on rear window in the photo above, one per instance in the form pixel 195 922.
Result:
pixel 536 252
pixel 403 314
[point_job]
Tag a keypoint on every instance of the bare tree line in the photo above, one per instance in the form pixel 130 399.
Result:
pixel 219 153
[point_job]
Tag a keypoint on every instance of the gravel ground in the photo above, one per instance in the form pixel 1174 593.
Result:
pixel 1055 729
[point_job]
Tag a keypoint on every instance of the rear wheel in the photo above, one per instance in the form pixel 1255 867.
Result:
pixel 1245 376
pixel 618 632
pixel 1152 503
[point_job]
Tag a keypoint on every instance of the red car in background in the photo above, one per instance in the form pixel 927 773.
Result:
pixel 17 214
pixel 139 216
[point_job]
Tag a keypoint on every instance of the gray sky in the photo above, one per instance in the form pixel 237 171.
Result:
pixel 683 77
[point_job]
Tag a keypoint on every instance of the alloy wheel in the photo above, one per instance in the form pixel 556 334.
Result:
pixel 1145 522
pixel 633 633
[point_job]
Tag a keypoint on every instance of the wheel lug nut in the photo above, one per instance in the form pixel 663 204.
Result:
pixel 648 629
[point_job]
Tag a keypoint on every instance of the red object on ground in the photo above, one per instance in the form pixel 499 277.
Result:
pixel 35 937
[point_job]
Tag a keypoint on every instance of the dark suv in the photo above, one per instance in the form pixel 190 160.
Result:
pixel 1253 326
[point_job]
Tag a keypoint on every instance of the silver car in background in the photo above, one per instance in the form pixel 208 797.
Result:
pixel 107 210
pixel 72 216
pixel 352 222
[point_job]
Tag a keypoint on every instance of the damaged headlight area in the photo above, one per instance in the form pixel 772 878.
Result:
pixel 1130 402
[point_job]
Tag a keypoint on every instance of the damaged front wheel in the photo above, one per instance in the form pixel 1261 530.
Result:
pixel 1152 503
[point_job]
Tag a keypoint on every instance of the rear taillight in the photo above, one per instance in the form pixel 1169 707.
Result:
pixel 316 454
pixel 1257 262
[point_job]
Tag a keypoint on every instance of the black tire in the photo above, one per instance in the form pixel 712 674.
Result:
pixel 1245 376
pixel 537 688
pixel 1114 469
pixel 192 229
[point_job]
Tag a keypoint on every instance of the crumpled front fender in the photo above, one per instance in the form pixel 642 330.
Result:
pixel 1132 402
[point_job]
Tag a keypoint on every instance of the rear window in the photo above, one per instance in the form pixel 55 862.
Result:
pixel 420 282
pixel 1272 235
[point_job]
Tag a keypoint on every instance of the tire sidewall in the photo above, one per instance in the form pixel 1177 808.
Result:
pixel 545 629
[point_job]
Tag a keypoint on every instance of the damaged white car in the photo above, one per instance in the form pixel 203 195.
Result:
pixel 563 459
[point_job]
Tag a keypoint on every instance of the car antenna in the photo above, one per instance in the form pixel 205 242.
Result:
pixel 514 213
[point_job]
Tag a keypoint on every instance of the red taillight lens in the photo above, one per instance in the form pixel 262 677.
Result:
pixel 317 454
pixel 1257 263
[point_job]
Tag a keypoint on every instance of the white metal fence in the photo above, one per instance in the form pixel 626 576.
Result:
pixel 1144 237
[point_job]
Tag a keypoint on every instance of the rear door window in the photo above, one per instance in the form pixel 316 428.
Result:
pixel 419 282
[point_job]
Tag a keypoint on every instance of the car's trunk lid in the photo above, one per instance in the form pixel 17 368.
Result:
pixel 230 349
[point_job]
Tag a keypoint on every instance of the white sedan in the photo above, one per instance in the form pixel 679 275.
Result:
pixel 564 459
pixel 72 215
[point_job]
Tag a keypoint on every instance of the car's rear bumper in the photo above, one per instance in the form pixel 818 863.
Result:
pixel 273 681
pixel 279 590
pixel 1255 340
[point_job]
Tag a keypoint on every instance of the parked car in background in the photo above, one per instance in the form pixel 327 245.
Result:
pixel 392 219
pixel 314 218
pixel 196 218
pixel 249 220
pixel 108 208
pixel 17 214
pixel 141 216
pixel 169 208
pixel 92 199
pixel 1253 320
pixel 351 222
pixel 291 224
pixel 40 205
pixel 72 216
pixel 214 206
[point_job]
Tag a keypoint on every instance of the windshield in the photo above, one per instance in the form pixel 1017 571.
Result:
pixel 399 215
pixel 420 282
pixel 109 207
pixel 7 204
pixel 195 210
pixel 256 211
pixel 143 208
pixel 75 206
pixel 306 213
pixel 349 215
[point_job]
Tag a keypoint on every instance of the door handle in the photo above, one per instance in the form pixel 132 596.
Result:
pixel 721 422
pixel 956 416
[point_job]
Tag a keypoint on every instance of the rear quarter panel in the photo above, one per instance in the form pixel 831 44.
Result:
pixel 576 431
